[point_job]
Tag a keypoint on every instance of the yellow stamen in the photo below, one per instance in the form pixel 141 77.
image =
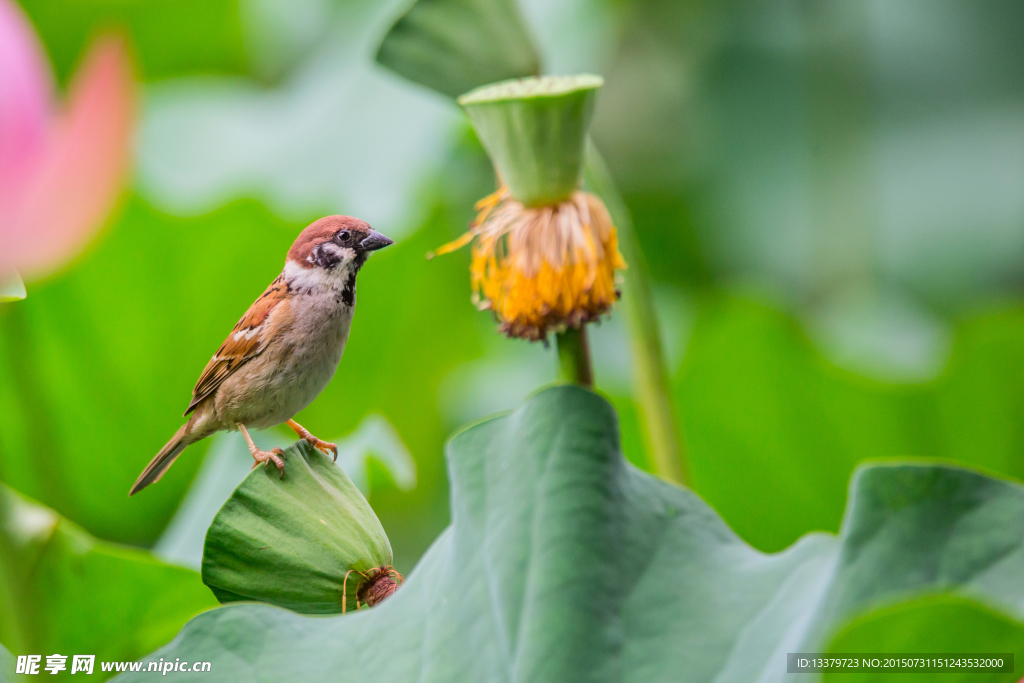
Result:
pixel 542 269
pixel 483 207
pixel 455 244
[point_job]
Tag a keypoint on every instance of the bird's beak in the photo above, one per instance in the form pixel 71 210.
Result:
pixel 374 241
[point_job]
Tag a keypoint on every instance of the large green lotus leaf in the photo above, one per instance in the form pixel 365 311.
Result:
pixel 563 562
pixel 934 624
pixel 169 37
pixel 774 430
pixel 61 591
pixel 453 46
pixel 292 540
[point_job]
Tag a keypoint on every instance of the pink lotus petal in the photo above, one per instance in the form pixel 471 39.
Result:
pixel 25 89
pixel 86 160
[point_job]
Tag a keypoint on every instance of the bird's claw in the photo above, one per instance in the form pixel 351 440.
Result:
pixel 274 454
pixel 325 447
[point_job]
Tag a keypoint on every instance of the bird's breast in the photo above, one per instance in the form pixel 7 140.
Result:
pixel 320 330
pixel 293 369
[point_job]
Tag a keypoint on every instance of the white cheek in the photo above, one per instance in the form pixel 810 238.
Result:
pixel 304 279
pixel 301 278
pixel 346 254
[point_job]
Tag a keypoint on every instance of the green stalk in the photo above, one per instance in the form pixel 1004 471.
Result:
pixel 574 357
pixel 662 431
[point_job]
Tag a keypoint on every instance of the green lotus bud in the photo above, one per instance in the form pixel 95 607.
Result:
pixel 534 130
pixel 308 541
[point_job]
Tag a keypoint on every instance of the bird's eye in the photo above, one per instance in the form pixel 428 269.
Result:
pixel 344 236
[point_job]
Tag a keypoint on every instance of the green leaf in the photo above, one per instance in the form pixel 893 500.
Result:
pixel 774 429
pixel 453 46
pixel 169 37
pixel 563 562
pixel 293 540
pixel 55 578
pixel 934 624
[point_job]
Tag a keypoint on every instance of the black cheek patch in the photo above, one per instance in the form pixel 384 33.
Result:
pixel 325 258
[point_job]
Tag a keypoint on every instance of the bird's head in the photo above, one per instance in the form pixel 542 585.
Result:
pixel 336 243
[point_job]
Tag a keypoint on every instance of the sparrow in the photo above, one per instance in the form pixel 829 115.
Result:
pixel 284 350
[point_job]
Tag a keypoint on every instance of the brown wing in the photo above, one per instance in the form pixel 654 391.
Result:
pixel 245 342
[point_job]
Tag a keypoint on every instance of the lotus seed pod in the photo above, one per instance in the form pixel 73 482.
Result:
pixel 535 131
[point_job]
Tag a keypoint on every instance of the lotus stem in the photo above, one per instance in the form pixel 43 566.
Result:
pixel 653 386
pixel 574 356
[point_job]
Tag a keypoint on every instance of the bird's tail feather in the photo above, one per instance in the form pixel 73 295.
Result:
pixel 165 458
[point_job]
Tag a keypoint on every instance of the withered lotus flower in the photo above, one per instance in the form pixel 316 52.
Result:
pixel 545 253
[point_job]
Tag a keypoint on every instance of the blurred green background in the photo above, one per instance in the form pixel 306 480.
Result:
pixel 830 196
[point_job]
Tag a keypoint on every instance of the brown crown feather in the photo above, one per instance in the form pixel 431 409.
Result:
pixel 322 230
